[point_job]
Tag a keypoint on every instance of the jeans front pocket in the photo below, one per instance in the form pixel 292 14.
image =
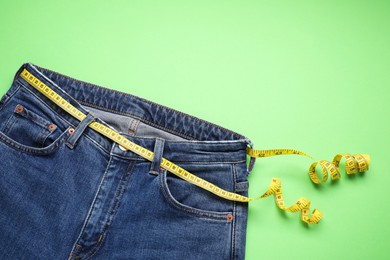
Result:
pixel 195 201
pixel 30 132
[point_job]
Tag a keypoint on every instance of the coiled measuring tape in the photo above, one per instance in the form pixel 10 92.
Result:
pixel 354 163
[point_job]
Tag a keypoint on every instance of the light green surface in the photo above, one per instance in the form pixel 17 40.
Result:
pixel 309 75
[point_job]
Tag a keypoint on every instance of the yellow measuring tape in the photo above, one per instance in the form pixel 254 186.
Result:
pixel 354 163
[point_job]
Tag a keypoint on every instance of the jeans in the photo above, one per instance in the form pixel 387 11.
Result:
pixel 68 192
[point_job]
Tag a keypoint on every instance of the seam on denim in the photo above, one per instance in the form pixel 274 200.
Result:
pixel 96 248
pixel 129 157
pixel 213 142
pixel 61 117
pixel 3 100
pixel 74 255
pixel 206 162
pixel 200 214
pixel 140 118
pixel 113 209
pixel 234 224
pixel 233 239
pixel 44 139
pixel 89 214
pixel 31 150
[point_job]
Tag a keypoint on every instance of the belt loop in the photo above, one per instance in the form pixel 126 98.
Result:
pixel 158 154
pixel 252 162
pixel 72 140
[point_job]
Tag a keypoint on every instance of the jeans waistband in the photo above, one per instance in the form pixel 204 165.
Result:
pixel 198 136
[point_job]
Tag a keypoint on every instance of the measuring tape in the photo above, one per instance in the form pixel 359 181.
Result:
pixel 354 163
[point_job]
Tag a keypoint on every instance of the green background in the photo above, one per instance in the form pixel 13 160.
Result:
pixel 309 75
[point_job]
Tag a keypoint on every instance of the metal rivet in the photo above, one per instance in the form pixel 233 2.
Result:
pixel 19 108
pixel 52 127
pixel 71 131
pixel 229 217
pixel 122 148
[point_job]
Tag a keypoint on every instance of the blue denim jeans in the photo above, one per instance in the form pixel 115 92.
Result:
pixel 67 192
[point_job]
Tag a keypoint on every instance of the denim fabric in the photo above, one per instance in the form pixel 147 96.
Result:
pixel 68 194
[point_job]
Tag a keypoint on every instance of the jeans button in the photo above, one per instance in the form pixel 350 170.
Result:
pixel 52 127
pixel 19 108
pixel 71 130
